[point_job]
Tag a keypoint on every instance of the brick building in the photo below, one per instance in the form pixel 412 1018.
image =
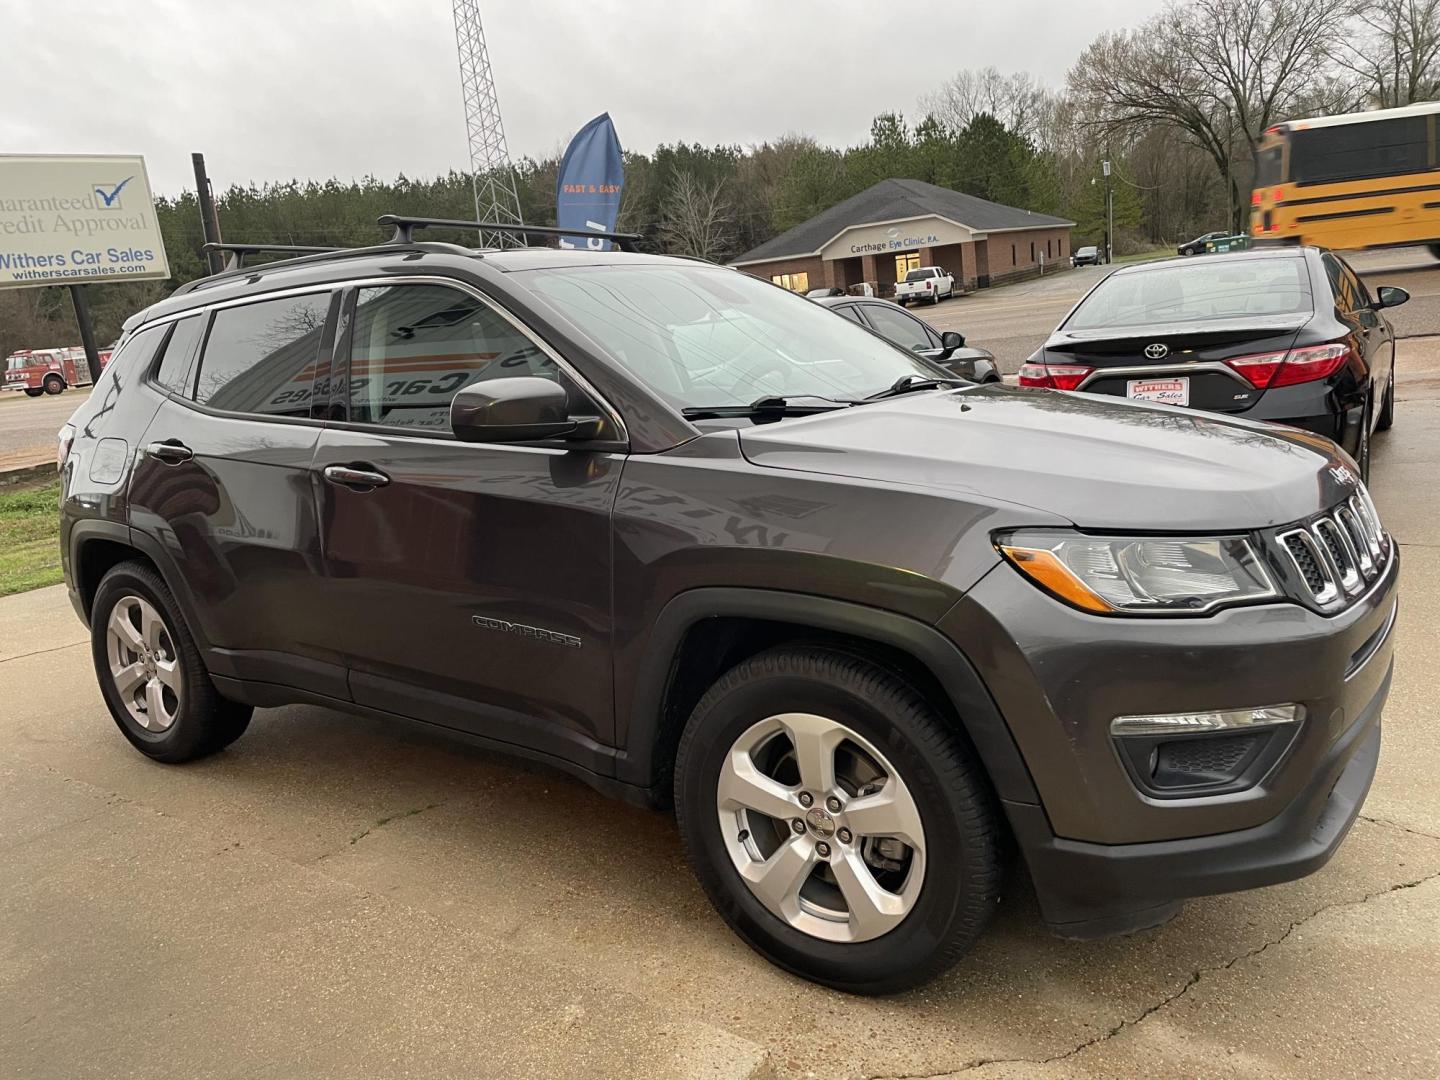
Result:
pixel 897 225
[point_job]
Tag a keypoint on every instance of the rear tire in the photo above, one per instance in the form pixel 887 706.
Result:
pixel 54 384
pixel 150 671
pixel 1386 420
pixel 882 740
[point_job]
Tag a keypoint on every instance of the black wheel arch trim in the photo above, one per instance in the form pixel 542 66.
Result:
pixel 93 529
pixel 980 717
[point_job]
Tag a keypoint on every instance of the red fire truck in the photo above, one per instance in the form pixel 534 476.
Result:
pixel 49 371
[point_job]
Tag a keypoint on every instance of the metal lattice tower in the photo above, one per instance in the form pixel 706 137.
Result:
pixel 495 196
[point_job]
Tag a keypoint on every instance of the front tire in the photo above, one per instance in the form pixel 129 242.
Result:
pixel 33 391
pixel 150 671
pixel 837 821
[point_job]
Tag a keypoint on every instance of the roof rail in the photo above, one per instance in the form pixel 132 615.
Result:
pixel 235 253
pixel 405 227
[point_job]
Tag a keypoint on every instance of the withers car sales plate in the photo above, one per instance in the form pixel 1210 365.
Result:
pixel 1165 391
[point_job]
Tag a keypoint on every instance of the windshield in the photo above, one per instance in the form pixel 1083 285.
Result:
pixel 1218 288
pixel 1085 251
pixel 705 336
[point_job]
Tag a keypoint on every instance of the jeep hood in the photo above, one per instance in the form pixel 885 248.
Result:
pixel 1102 463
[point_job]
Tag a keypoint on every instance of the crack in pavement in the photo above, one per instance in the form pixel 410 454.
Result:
pixel 1396 825
pixel 42 652
pixel 1169 999
pixel 380 823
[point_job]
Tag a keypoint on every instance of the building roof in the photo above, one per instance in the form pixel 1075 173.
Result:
pixel 897 200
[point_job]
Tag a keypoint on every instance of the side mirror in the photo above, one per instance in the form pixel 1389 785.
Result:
pixel 950 340
pixel 1388 296
pixel 519 408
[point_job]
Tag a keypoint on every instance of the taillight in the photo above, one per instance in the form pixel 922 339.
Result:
pixel 64 439
pixel 1053 376
pixel 1255 197
pixel 1269 370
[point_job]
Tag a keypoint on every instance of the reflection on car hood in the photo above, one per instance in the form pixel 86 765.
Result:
pixel 1101 463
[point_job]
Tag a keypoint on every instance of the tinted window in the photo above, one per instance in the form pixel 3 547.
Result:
pixel 897 327
pixel 415 346
pixel 1355 151
pixel 921 275
pixel 1216 288
pixel 705 336
pixel 1350 295
pixel 135 355
pixel 260 358
pixel 850 313
pixel 176 363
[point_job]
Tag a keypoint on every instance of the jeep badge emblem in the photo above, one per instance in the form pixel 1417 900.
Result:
pixel 1342 474
pixel 1157 351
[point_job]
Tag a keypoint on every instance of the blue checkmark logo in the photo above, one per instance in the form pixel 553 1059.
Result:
pixel 115 192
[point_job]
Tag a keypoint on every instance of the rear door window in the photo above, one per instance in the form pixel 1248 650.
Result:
pixel 262 357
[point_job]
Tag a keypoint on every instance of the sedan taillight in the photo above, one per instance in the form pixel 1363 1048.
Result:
pixel 1269 370
pixel 1053 376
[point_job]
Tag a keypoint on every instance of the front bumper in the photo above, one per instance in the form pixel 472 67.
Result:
pixel 1107 856
pixel 1095 890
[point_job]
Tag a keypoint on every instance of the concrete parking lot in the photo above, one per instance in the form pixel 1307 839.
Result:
pixel 336 897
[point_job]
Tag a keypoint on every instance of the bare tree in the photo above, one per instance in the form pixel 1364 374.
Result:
pixel 1019 101
pixel 1221 71
pixel 696 219
pixel 1394 52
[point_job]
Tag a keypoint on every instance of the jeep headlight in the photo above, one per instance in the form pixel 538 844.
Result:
pixel 1140 575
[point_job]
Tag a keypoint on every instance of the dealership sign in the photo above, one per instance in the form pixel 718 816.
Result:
pixel 68 219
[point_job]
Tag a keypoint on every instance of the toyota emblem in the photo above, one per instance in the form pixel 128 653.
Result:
pixel 1158 351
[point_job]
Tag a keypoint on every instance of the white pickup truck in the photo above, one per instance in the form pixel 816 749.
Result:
pixel 929 283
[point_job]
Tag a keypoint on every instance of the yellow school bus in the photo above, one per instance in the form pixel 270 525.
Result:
pixel 1359 180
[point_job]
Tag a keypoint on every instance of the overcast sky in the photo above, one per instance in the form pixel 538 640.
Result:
pixel 275 89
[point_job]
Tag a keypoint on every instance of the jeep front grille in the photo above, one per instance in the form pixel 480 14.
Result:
pixel 1338 554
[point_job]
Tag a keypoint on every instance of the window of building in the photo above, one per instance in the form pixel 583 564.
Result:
pixel 179 359
pixel 794 282
pixel 415 346
pixel 905 263
pixel 1047 247
pixel 1032 251
pixel 260 358
pixel 1014 255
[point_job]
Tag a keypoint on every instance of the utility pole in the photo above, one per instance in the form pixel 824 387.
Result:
pixel 209 222
pixel 1109 210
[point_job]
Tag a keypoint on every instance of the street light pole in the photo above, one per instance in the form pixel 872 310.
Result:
pixel 1109 213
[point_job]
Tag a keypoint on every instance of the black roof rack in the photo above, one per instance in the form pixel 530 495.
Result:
pixel 235 253
pixel 405 229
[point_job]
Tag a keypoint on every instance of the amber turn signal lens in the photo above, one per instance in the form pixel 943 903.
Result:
pixel 1045 569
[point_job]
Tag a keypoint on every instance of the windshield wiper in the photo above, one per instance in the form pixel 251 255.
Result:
pixel 769 407
pixel 908 384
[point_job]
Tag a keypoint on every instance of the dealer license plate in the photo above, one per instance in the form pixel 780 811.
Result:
pixel 1165 391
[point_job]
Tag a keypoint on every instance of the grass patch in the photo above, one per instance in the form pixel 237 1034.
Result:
pixel 29 538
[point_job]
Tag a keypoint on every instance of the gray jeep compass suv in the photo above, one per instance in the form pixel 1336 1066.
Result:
pixel 696 540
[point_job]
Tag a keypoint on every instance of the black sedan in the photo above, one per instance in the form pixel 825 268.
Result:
pixel 899 327
pixel 1197 246
pixel 1290 335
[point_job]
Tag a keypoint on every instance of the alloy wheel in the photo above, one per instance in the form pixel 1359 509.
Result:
pixel 821 827
pixel 144 664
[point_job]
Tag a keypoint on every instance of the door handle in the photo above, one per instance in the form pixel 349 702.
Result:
pixel 357 477
pixel 171 452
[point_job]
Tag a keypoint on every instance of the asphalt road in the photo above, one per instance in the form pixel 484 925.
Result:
pixel 28 425
pixel 334 897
